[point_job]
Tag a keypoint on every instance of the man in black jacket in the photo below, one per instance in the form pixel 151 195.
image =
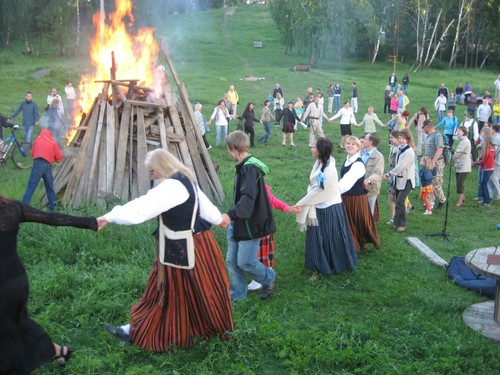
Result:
pixel 251 219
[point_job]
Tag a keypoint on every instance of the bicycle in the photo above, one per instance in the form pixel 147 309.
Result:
pixel 20 154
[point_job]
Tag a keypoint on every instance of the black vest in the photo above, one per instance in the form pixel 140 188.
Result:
pixel 357 188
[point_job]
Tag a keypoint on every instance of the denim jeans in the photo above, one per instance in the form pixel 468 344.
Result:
pixel 29 133
pixel 265 137
pixel 336 103
pixel 241 258
pixel 221 131
pixel 41 169
pixel 440 115
pixel 484 186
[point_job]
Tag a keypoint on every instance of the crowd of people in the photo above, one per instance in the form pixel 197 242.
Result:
pixel 185 303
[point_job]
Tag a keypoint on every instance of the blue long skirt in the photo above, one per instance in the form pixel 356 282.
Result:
pixel 329 246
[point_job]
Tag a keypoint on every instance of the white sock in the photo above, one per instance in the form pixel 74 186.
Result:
pixel 126 328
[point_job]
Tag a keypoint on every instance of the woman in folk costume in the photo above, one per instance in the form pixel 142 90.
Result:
pixel 329 244
pixel 355 196
pixel 179 307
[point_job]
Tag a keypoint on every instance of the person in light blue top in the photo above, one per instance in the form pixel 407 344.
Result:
pixel 450 124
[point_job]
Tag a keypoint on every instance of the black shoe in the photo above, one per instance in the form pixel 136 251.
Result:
pixel 118 332
pixel 267 291
pixel 440 205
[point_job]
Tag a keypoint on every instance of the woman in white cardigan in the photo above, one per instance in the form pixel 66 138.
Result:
pixel 329 244
pixel 404 176
pixel 463 162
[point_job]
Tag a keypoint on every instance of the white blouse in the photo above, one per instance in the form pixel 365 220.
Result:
pixel 357 171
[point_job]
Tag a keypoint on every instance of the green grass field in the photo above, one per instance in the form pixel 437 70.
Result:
pixel 397 314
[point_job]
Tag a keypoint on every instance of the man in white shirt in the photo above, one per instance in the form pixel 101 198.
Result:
pixel 314 112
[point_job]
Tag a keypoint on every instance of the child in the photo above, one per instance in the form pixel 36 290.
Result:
pixel 426 174
pixel 266 249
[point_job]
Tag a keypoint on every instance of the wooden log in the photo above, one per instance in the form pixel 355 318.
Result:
pixel 140 103
pixel 110 149
pixel 162 128
pixel 142 173
pixel 121 151
pixel 427 251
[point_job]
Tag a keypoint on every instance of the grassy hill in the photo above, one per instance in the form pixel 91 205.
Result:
pixel 397 314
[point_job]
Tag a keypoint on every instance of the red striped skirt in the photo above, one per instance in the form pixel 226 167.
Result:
pixel 361 221
pixel 187 306
pixel 266 251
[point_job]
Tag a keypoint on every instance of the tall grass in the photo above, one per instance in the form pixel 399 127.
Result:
pixel 397 314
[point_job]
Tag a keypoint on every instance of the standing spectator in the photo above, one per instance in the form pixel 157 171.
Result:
pixel 418 120
pixel 221 116
pixel 392 81
pixel 331 96
pixel 179 307
pixel 426 174
pixel 443 90
pixel 472 133
pixel 201 123
pixel 434 145
pixel 54 95
pixel 45 152
pixel 391 182
pixel 228 105
pixel 462 159
pixel 440 105
pixel 497 88
pixel 249 118
pixel 321 103
pixel 251 219
pixel 329 244
pixel 313 113
pixel 337 92
pixel 290 120
pixel 24 344
pixel 406 82
pixel 393 108
pixel 374 165
pixel 354 98
pixel 279 103
pixel 30 115
pixel 70 98
pixel 404 171
pixel 472 103
pixel 483 114
pixel 277 90
pixel 496 112
pixel 387 99
pixel 459 93
pixel 495 178
pixel 309 98
pixel 403 101
pixel 299 109
pixel 450 124
pixel 347 118
pixel 452 101
pixel 355 198
pixel 370 120
pixel 234 98
pixel 265 118
pixel 487 164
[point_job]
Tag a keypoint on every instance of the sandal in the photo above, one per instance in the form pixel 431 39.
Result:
pixel 64 355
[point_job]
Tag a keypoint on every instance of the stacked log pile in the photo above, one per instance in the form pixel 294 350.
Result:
pixel 105 159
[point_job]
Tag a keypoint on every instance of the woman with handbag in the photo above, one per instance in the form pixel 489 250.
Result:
pixel 180 306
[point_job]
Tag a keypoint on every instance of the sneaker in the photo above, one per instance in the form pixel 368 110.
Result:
pixel 118 332
pixel 267 291
pixel 254 285
pixel 427 212
pixel 390 222
pixel 209 147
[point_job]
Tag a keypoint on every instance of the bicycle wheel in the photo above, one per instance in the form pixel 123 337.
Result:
pixel 21 156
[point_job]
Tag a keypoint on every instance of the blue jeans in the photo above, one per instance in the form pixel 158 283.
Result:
pixel 29 133
pixel 440 115
pixel 405 89
pixel 483 186
pixel 265 137
pixel 241 258
pixel 336 103
pixel 41 169
pixel 221 131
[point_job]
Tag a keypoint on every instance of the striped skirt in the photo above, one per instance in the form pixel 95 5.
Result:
pixel 361 221
pixel 182 307
pixel 329 246
pixel 266 251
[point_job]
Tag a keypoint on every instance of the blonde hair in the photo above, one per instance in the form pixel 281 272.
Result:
pixel 354 140
pixel 165 164
pixel 238 141
pixel 428 163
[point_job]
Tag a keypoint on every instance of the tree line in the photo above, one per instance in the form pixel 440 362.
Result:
pixel 452 33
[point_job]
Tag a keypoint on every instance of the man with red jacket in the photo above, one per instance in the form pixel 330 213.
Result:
pixel 45 152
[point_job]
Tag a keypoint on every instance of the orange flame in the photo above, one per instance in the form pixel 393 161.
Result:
pixel 135 55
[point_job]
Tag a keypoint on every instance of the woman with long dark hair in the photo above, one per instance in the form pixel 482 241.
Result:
pixel 24 345
pixel 329 244
pixel 249 118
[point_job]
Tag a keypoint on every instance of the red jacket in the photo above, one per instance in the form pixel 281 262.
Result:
pixel 487 162
pixel 46 148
